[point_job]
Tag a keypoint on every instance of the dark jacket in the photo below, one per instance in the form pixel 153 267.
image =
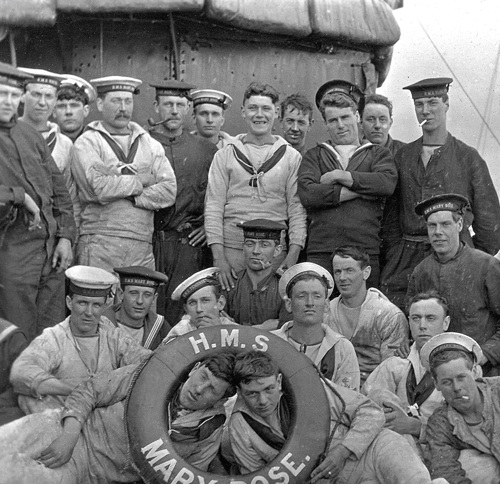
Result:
pixel 355 222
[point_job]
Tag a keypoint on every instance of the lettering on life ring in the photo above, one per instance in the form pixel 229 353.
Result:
pixel 149 441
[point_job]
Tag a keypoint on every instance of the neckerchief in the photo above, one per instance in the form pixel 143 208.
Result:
pixel 265 433
pixel 119 152
pixel 418 393
pixel 51 140
pixel 265 167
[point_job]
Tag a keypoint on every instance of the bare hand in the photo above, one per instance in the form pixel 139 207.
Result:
pixel 268 325
pixel 227 274
pixel 329 178
pixel 207 321
pixel 397 421
pixel 63 255
pixel 147 179
pixel 198 237
pixel 333 464
pixel 32 208
pixel 290 259
pixel 59 452
pixel 403 350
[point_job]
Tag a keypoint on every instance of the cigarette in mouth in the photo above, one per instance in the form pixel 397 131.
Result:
pixel 422 123
pixel 265 265
pixel 465 398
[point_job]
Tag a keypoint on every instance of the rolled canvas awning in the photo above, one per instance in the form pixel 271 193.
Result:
pixel 367 22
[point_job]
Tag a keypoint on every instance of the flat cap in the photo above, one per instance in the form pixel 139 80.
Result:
pixel 41 76
pixel 452 202
pixel 446 342
pixel 140 276
pixel 339 86
pixel 211 96
pixel 206 277
pixel 436 86
pixel 261 228
pixel 172 87
pixel 10 76
pixel 116 83
pixel 304 268
pixel 81 86
pixel 90 281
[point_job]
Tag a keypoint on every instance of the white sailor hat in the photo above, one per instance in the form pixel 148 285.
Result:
pixel 90 281
pixel 116 83
pixel 41 76
pixel 449 341
pixel 211 96
pixel 304 268
pixel 80 85
pixel 206 277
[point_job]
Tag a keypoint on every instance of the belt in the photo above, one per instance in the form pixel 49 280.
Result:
pixel 415 238
pixel 173 234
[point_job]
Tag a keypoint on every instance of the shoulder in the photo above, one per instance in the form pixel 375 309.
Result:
pixel 379 301
pixel 30 134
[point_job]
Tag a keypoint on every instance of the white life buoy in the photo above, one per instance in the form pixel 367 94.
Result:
pixel 150 445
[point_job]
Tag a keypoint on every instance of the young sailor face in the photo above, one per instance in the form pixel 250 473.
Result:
pixel 70 114
pixel 348 275
pixel 10 97
pixel 295 125
pixel 202 389
pixel 433 110
pixel 259 253
pixel 456 381
pixel 39 102
pixel 427 319
pixel 137 300
pixel 308 302
pixel 86 313
pixel 376 123
pixel 209 119
pixel 259 114
pixel 203 307
pixel 342 125
pixel 444 234
pixel 262 395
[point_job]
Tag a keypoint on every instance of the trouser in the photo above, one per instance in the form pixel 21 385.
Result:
pixel 107 252
pixel 177 260
pixel 324 259
pixel 388 460
pixel 401 261
pixel 31 292
pixel 479 467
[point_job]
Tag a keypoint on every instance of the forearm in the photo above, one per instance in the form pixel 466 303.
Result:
pixel 53 386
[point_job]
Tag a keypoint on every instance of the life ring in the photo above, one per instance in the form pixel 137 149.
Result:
pixel 150 446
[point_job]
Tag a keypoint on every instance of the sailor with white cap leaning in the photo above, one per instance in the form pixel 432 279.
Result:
pixel 36 239
pixel 201 295
pixel 209 107
pixel 306 287
pixel 84 345
pixel 74 97
pixel 463 434
pixel 123 177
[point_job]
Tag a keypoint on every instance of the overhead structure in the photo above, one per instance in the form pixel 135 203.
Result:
pixel 296 45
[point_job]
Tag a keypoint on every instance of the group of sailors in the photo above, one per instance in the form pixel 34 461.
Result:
pixel 372 257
